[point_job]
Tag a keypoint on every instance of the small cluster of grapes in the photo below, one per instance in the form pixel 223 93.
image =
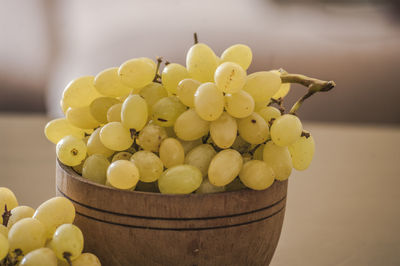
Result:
pixel 194 128
pixel 41 237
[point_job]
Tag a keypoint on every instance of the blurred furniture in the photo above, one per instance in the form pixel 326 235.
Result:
pixel 343 210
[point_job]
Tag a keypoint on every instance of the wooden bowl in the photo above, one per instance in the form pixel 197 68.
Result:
pixel 141 228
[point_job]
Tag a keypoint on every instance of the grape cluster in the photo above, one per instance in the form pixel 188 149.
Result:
pixel 207 127
pixel 41 237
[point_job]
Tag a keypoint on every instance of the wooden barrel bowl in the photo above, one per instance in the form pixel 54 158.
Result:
pixel 142 228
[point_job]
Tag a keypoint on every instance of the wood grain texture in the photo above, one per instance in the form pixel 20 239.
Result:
pixel 140 228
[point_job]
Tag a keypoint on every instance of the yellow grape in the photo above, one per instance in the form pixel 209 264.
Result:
pixel 67 239
pixel 230 77
pixel 95 168
pixel 180 179
pixel 150 165
pixel 201 157
pixel 151 136
pixel 86 259
pixel 279 159
pixel 224 167
pixel 302 152
pixel 108 83
pixel 262 85
pixel 99 108
pixel 8 198
pixel 239 105
pixel 27 234
pixel 253 129
pixel 171 75
pixel 186 90
pixel 269 113
pixel 286 129
pixel 4 247
pixel 19 213
pixel 115 136
pixel 260 105
pixel 80 92
pixel 189 126
pixel 53 213
pixel 114 113
pixel 166 111
pixel 137 72
pixel 283 89
pixel 189 145
pixel 240 54
pixel 171 152
pixel 39 257
pixel 257 175
pixel 201 62
pixel 134 112
pixel 58 128
pixel 4 230
pixel 81 117
pixel 95 146
pixel 209 101
pixel 123 174
pixel 223 131
pixel 71 151
pixel 122 155
pixel 152 93
pixel 206 187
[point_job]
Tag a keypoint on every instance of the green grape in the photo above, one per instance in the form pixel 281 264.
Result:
pixel 235 185
pixel 240 54
pixel 147 187
pixel 80 92
pixel 123 174
pixel 171 75
pixel 180 179
pixel 58 128
pixel 262 85
pixel 286 129
pixel 19 213
pixel 95 168
pixel 302 152
pixel 137 72
pixel 283 89
pixel 206 187
pixel 122 155
pixel 186 90
pixel 279 159
pixel 190 145
pixel 81 117
pixel 166 111
pixel 257 175
pixel 209 101
pixel 108 83
pixel 39 257
pixel 67 242
pixel 4 247
pixel 189 126
pixel 152 93
pixel 201 157
pixel 240 145
pixel 27 234
pixel 99 108
pixel 258 153
pixel 115 136
pixel 151 136
pixel 134 112
pixel 55 212
pixel 150 165
pixel 171 152
pixel 71 151
pixel 223 131
pixel 114 113
pixel 95 146
pixel 8 198
pixel 86 259
pixel 224 167
pixel 230 77
pixel 269 113
pixel 239 105
pixel 4 230
pixel 201 62
pixel 253 129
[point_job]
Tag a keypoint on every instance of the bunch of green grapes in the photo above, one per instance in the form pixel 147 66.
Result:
pixel 41 237
pixel 205 127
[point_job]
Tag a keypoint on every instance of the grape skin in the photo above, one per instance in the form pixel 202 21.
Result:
pixel 123 174
pixel 223 131
pixel 171 152
pixel 190 126
pixel 201 62
pixel 39 257
pixel 137 72
pixel 302 152
pixel 279 159
pixel 86 259
pixel 253 129
pixel 201 157
pixel 134 112
pixel 166 111
pixel 71 151
pixel 286 129
pixel 95 146
pixel 8 198
pixel 68 238
pixel 115 136
pixel 95 168
pixel 19 213
pixel 186 90
pixel 257 175
pixel 27 234
pixel 114 113
pixel 239 105
pixel 58 128
pixel 150 165
pixel 171 75
pixel 230 77
pixel 262 85
pixel 4 246
pixel 180 179
pixel 209 101
pixel 80 92
pixel 108 83
pixel 151 136
pixel 238 53
pixel 224 167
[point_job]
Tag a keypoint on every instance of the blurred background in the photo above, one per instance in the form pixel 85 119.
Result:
pixel 45 43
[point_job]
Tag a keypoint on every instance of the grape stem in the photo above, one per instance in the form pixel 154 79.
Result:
pixel 196 40
pixel 157 77
pixel 67 257
pixel 313 85
pixel 6 215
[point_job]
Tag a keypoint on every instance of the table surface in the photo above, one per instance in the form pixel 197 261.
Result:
pixel 343 210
